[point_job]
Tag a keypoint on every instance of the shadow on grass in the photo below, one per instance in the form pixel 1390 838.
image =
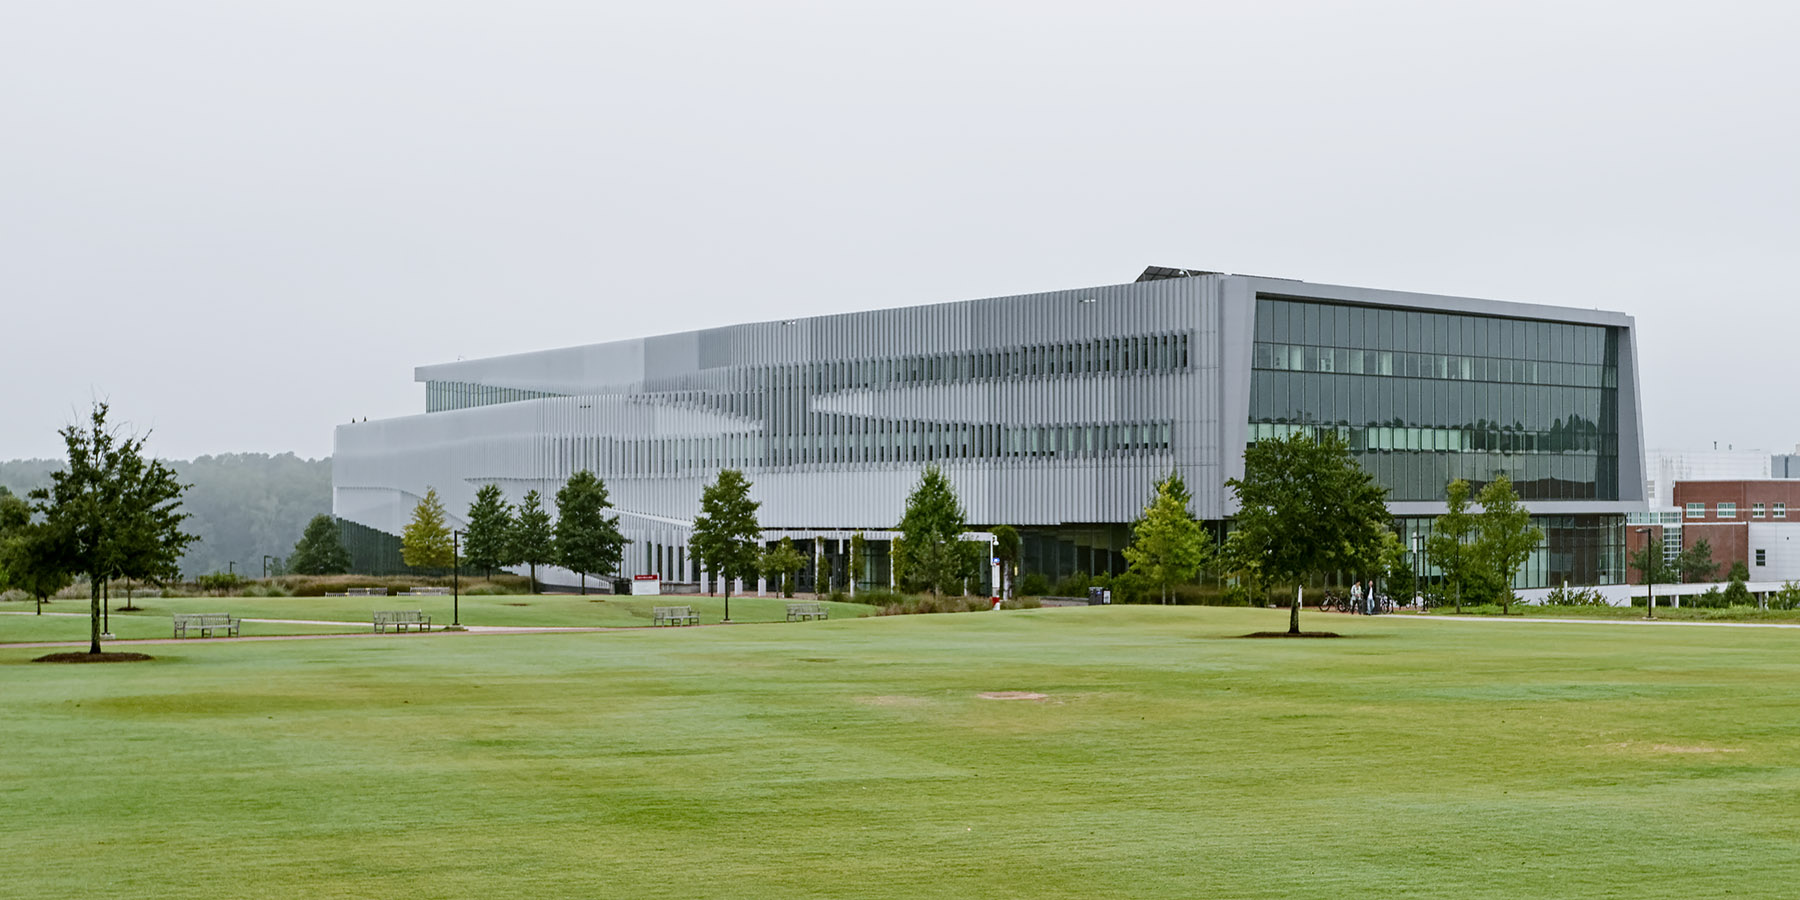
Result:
pixel 1290 634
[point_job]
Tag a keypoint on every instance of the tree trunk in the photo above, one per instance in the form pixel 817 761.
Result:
pixel 94 615
pixel 727 599
pixel 1294 612
pixel 534 578
pixel 584 584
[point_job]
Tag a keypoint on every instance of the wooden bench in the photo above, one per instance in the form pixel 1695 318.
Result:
pixel 674 615
pixel 800 612
pixel 206 624
pixel 425 592
pixel 360 592
pixel 399 619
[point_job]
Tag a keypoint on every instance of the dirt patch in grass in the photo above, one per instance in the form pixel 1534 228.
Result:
pixel 86 657
pixel 1012 695
pixel 1284 634
pixel 1677 748
pixel 893 700
pixel 519 604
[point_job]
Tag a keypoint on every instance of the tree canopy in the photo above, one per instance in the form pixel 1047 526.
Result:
pixel 782 564
pixel 726 537
pixel 425 544
pixel 1452 547
pixel 1168 547
pixel 930 554
pixel 1506 536
pixel 111 511
pixel 587 539
pixel 532 541
pixel 487 543
pixel 320 550
pixel 1696 563
pixel 1306 508
pixel 1006 549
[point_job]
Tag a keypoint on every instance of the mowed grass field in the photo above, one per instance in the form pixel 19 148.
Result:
pixel 1166 757
pixel 153 619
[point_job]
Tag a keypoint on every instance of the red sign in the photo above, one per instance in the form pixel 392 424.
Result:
pixel 647 577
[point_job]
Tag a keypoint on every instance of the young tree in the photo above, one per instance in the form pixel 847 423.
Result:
pixel 1648 561
pixel 782 563
pixel 726 536
pixel 859 557
pixel 1167 546
pixel 425 544
pixel 1451 546
pixel 320 550
pixel 36 560
pixel 1736 592
pixel 532 541
pixel 1505 538
pixel 1006 548
pixel 1306 508
pixel 1696 563
pixel 930 555
pixel 112 511
pixel 587 539
pixel 486 543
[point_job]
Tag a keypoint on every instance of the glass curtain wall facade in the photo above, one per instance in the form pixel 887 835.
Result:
pixel 1053 412
pixel 1427 397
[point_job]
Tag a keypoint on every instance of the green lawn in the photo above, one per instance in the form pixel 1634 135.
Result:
pixel 546 609
pixel 855 758
pixel 131 627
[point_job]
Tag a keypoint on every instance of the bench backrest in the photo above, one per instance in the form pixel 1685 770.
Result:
pixel 203 618
pixel 395 616
pixel 667 611
pixel 803 607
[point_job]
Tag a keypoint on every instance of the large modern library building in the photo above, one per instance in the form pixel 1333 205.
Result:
pixel 1052 412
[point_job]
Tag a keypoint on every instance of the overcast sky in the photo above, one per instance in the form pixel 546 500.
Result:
pixel 245 223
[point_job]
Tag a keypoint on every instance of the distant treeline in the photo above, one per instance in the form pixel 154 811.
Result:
pixel 244 505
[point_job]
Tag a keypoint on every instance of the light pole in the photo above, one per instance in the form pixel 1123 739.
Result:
pixel 1649 573
pixel 1418 542
pixel 456 580
pixel 266 558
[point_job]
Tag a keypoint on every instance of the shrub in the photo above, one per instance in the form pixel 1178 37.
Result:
pixel 1581 596
pixel 1786 598
pixel 489 590
pixel 878 596
pixel 1737 593
pixel 1022 603
pixel 1075 585
pixel 926 605
pixel 220 582
pixel 1035 584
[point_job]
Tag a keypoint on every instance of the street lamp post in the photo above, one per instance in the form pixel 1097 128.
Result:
pixel 1649 575
pixel 1418 542
pixel 266 559
pixel 456 580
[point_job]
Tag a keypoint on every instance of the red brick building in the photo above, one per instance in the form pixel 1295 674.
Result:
pixel 1756 522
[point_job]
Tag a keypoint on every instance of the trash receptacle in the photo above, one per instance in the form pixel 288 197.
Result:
pixel 1099 596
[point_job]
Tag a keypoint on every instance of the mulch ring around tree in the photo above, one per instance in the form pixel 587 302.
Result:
pixel 86 657
pixel 1290 634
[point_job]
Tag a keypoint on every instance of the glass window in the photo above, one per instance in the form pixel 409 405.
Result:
pixel 1727 510
pixel 1778 511
pixel 1760 560
pixel 1696 510
pixel 1756 510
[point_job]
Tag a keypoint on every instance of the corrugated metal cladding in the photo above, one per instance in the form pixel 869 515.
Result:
pixel 1043 409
